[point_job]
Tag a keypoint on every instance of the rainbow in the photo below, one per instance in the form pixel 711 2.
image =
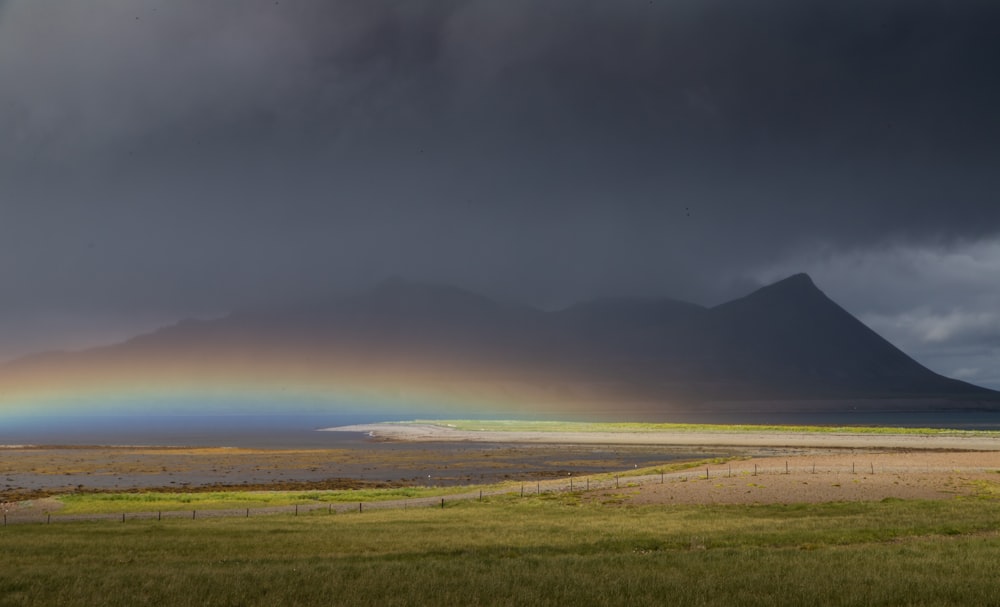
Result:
pixel 221 386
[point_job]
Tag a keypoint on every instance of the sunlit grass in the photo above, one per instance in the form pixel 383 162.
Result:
pixel 536 550
pixel 665 468
pixel 156 501
pixel 568 426
pixel 132 502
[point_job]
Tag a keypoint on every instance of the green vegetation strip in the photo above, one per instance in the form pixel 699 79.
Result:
pixel 560 426
pixel 664 468
pixel 538 550
pixel 115 503
pixel 153 501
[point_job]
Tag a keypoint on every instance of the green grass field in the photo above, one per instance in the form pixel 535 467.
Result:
pixel 116 503
pixel 538 550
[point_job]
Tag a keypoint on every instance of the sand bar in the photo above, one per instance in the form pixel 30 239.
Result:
pixel 421 432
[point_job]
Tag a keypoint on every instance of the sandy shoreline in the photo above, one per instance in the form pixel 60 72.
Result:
pixel 817 440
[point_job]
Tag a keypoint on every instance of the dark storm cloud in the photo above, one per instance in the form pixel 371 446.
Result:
pixel 182 158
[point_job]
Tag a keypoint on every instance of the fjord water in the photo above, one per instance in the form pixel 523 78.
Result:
pixel 300 430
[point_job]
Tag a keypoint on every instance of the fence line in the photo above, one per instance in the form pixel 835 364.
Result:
pixel 568 484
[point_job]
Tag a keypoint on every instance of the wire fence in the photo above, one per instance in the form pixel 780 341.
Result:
pixel 14 515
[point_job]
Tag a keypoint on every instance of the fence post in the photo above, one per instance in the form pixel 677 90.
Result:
pixel 296 509
pixel 359 506
pixel 442 503
pixel 123 517
pixel 193 514
pixel 248 513
pixel 616 481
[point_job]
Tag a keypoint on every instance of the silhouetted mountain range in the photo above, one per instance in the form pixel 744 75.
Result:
pixel 787 342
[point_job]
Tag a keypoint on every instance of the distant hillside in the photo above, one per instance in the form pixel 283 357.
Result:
pixel 785 343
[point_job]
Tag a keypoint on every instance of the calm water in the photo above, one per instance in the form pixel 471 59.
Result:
pixel 299 431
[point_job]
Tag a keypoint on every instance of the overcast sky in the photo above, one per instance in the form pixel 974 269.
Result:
pixel 167 159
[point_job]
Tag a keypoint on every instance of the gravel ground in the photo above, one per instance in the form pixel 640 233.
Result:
pixel 823 478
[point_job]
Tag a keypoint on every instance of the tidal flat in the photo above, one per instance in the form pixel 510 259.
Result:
pixel 36 471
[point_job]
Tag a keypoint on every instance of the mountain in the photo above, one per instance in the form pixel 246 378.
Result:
pixel 795 341
pixel 785 344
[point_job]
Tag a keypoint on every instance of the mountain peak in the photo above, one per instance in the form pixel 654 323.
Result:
pixel 793 292
pixel 800 282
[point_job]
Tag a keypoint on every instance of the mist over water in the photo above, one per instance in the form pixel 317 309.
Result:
pixel 248 431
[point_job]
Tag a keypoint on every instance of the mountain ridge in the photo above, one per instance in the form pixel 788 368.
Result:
pixel 783 342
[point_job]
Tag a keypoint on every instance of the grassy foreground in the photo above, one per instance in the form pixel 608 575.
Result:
pixel 544 550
